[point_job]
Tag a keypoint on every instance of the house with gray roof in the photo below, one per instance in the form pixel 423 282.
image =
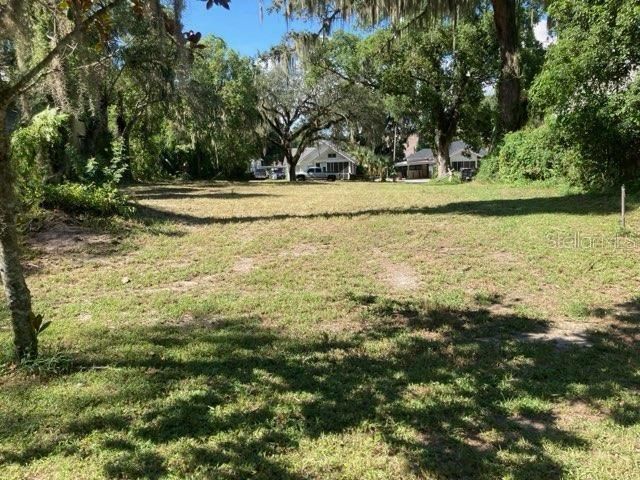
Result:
pixel 423 163
pixel 328 157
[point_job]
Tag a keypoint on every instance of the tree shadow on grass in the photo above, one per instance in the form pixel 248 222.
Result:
pixel 454 392
pixel 160 188
pixel 170 195
pixel 625 330
pixel 579 204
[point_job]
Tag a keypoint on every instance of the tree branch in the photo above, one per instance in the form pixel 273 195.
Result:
pixel 25 82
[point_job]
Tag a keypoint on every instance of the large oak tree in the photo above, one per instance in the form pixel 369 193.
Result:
pixel 84 20
pixel 505 17
pixel 297 108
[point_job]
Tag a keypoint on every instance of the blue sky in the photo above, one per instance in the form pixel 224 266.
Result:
pixel 240 27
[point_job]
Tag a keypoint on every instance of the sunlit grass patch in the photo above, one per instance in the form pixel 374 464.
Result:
pixel 345 330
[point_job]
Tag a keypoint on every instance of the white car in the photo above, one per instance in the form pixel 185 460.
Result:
pixel 316 173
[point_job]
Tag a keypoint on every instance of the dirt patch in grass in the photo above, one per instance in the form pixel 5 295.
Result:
pixel 575 412
pixel 504 257
pixel 500 309
pixel 62 238
pixel 84 317
pixel 61 235
pixel 562 334
pixel 530 424
pixel 478 443
pixel 398 276
pixel 243 265
pixel 401 277
pixel 184 286
pixel 200 282
pixel 304 250
pixel 429 335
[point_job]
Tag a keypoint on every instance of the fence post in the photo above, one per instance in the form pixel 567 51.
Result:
pixel 622 206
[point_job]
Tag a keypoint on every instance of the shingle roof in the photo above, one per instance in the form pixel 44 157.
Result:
pixel 309 150
pixel 426 156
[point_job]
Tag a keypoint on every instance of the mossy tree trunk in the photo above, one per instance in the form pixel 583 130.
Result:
pixel 512 114
pixel 291 161
pixel 447 126
pixel 443 144
pixel 15 286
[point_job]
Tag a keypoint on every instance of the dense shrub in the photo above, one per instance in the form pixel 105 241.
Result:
pixel 591 87
pixel 38 152
pixel 371 164
pixel 536 154
pixel 147 160
pixel 529 154
pixel 79 198
pixel 43 158
pixel 454 179
pixel 588 94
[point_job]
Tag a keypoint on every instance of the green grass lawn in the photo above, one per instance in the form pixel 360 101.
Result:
pixel 345 330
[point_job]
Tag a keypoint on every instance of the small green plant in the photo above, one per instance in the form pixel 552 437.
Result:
pixel 578 309
pixel 626 232
pixel 48 364
pixel 487 299
pixel 37 323
pixel 107 172
pixel 103 200
pixel 453 179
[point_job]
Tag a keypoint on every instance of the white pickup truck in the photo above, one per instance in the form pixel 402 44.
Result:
pixel 316 173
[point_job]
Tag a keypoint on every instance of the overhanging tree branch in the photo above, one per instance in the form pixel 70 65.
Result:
pixel 25 82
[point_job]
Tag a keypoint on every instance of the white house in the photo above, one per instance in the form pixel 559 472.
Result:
pixel 255 164
pixel 423 163
pixel 329 158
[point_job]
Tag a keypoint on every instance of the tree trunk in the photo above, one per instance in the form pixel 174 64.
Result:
pixel 126 147
pixel 509 87
pixel 15 286
pixel 292 170
pixel 292 162
pixel 443 144
pixel 123 132
pixel 98 138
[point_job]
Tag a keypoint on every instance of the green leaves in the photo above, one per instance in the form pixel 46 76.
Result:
pixel 589 83
pixel 221 3
pixel 193 39
pixel 37 323
pixel 437 86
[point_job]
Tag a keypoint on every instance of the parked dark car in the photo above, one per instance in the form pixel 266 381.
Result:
pixel 467 174
pixel 260 174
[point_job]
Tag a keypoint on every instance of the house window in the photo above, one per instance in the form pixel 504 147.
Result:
pixel 331 155
pixel 337 167
pixel 318 165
